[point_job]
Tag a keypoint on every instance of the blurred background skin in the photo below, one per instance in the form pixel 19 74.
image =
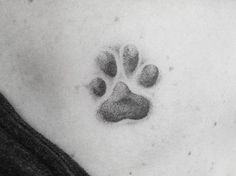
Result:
pixel 47 51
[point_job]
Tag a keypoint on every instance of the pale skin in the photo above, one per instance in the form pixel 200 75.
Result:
pixel 47 51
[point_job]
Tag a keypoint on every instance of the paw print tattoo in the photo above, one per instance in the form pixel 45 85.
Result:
pixel 123 103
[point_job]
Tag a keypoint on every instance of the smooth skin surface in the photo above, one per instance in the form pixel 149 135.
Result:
pixel 47 59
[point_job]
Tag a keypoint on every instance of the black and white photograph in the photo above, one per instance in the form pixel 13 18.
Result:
pixel 117 88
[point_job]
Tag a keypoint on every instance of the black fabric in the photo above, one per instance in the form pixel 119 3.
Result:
pixel 25 152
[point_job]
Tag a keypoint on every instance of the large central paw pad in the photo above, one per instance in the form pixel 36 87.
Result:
pixel 123 103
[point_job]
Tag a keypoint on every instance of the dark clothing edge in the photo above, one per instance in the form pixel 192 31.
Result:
pixel 24 150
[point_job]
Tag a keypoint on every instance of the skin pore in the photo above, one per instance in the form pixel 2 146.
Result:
pixel 47 61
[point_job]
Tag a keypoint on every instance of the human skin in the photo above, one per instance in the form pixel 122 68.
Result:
pixel 47 52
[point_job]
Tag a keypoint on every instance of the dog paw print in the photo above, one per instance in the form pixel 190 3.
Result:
pixel 123 103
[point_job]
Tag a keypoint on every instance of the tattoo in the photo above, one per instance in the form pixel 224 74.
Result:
pixel 107 63
pixel 123 103
pixel 98 87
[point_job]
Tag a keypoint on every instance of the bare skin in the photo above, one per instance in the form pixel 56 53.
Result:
pixel 47 52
